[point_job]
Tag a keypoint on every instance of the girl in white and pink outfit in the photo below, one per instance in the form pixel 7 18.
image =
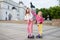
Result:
pixel 29 19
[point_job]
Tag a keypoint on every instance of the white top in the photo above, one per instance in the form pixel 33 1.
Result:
pixel 28 17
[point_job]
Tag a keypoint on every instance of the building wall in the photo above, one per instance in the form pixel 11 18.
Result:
pixel 6 10
pixel 22 11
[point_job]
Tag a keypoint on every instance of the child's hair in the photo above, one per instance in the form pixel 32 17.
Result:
pixel 40 12
pixel 27 12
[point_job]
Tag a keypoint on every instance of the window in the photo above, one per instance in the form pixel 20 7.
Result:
pixel 6 13
pixel 13 8
pixel 8 7
pixel 17 14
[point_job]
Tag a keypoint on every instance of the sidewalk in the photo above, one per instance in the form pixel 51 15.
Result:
pixel 23 22
pixel 10 31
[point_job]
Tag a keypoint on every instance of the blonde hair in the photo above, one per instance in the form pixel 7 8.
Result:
pixel 40 13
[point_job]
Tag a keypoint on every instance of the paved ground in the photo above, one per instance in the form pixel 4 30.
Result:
pixel 9 31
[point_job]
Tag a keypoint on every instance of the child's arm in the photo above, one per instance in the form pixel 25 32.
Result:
pixel 33 13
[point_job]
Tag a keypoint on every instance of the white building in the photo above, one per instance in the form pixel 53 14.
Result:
pixel 10 10
pixel 59 2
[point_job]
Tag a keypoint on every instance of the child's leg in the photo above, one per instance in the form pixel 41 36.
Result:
pixel 40 29
pixel 30 28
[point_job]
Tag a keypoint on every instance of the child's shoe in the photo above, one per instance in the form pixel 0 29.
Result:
pixel 38 36
pixel 31 37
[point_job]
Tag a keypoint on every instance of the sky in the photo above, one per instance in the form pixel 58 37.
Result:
pixel 39 3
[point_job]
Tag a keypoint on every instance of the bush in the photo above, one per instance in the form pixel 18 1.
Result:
pixel 55 12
